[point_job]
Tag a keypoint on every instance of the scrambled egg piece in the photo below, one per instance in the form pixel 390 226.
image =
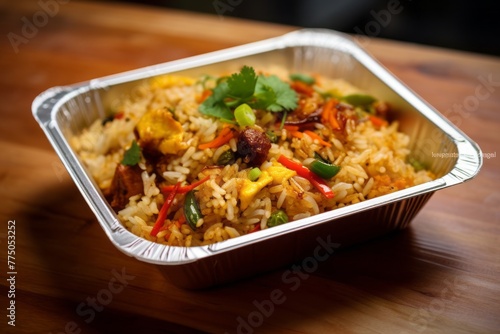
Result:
pixel 159 131
pixel 275 174
pixel 250 189
pixel 279 173
pixel 167 81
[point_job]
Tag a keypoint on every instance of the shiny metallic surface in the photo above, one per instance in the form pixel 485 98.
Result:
pixel 64 111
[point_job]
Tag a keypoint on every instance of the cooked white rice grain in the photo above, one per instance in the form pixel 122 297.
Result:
pixel 188 154
pixel 231 231
pixel 313 203
pixel 301 216
pixel 281 199
pixel 172 176
pixel 368 187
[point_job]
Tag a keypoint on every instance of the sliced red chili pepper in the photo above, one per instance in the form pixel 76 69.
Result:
pixel 162 215
pixel 184 189
pixel 303 171
pixel 255 228
pixel 119 115
pixel 321 185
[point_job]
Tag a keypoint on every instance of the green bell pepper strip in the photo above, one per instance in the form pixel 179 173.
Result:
pixel 192 210
pixel 324 169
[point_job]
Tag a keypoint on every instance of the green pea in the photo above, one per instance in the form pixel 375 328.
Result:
pixel 278 217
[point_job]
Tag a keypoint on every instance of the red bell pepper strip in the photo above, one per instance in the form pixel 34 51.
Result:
pixel 184 189
pixel 162 215
pixel 303 171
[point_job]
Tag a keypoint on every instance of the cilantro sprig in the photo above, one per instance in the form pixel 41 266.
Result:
pixel 132 156
pixel 274 95
pixel 258 91
pixel 242 85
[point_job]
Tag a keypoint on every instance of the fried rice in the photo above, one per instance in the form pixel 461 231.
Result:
pixel 372 159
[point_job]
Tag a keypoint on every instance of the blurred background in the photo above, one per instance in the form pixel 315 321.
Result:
pixel 458 24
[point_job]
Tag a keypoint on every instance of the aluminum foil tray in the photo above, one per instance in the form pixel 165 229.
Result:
pixel 65 111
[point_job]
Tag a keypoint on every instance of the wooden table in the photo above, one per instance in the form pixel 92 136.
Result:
pixel 441 275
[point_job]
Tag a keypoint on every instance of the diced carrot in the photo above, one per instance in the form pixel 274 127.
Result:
pixel 291 128
pixel 178 223
pixel 315 136
pixel 224 137
pixel 317 80
pixel 297 134
pixel 165 227
pixel 333 120
pixel 382 180
pixel 204 95
pixel 181 220
pixel 325 116
pixel 302 88
pixel 400 183
pixel 377 121
pixel 329 114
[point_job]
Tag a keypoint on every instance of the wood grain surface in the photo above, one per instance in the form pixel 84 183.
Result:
pixel 441 275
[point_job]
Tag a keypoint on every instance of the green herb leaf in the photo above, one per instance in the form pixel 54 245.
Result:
pixel 275 94
pixel 242 85
pixel 359 99
pixel 259 92
pixel 214 105
pixel 132 156
pixel 264 97
pixel 307 79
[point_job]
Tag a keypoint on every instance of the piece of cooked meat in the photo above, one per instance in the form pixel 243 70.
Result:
pixel 253 146
pixel 126 182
